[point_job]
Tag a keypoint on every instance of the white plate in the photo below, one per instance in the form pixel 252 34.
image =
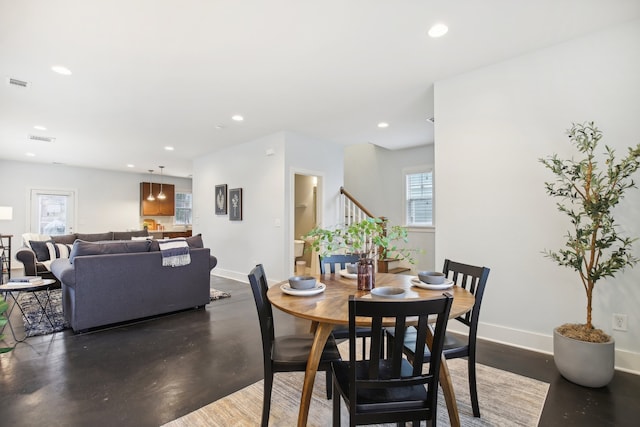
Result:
pixel 419 283
pixel 320 287
pixel 345 273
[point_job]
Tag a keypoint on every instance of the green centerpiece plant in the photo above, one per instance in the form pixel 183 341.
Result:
pixel 594 247
pixel 364 238
pixel 368 238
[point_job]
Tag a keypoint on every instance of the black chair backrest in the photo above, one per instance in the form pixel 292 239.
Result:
pixel 473 279
pixel 259 286
pixel 405 313
pixel 339 259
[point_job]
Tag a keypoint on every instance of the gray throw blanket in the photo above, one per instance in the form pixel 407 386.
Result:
pixel 175 252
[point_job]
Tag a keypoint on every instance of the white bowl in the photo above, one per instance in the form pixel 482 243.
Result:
pixel 388 292
pixel 431 277
pixel 352 268
pixel 302 282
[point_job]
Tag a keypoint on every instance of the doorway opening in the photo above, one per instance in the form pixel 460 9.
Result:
pixel 306 217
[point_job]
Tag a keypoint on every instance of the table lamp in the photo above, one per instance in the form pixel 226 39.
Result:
pixel 6 213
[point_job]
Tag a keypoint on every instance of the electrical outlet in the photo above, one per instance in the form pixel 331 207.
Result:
pixel 619 322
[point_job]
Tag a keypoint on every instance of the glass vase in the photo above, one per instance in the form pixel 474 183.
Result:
pixel 366 275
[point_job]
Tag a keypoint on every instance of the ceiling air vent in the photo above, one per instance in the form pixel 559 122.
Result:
pixel 16 82
pixel 39 138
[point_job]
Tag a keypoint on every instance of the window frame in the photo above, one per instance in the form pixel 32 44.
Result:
pixel 405 199
pixel 175 218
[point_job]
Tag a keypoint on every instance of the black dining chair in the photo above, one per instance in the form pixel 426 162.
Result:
pixel 288 353
pixel 390 389
pixel 341 260
pixel 337 259
pixel 473 279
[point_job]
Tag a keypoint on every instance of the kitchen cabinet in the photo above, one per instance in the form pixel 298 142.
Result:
pixel 166 207
pixel 174 234
pixel 169 234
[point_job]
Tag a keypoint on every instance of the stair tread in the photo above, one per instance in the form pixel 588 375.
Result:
pixel 399 270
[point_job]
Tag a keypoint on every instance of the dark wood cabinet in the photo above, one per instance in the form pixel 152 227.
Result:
pixel 174 234
pixel 170 234
pixel 166 207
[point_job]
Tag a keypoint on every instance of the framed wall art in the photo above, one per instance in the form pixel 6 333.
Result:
pixel 235 204
pixel 221 199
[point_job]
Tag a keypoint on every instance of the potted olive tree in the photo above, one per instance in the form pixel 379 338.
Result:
pixel 594 248
pixel 368 238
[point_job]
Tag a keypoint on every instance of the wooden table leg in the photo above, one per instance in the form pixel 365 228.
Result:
pixel 449 395
pixel 322 332
pixel 447 387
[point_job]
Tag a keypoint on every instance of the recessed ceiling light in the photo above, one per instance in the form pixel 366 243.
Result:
pixel 131 166
pixel 40 127
pixel 383 125
pixel 61 70
pixel 438 30
pixel 237 118
pixel 168 148
pixel 29 154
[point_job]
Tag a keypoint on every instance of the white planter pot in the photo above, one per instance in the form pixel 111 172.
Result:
pixel 584 363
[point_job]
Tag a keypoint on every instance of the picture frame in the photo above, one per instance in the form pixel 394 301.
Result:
pixel 235 204
pixel 221 199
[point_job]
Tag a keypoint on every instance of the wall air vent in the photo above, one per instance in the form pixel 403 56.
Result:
pixel 16 82
pixel 39 138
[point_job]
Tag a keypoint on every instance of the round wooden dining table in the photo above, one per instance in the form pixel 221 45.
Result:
pixel 329 308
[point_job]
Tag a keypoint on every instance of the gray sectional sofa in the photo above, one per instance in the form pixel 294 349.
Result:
pixel 37 259
pixel 105 283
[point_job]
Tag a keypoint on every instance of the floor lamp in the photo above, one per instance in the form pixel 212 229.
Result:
pixel 6 214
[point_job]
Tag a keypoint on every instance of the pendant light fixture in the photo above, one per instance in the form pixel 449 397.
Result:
pixel 150 198
pixel 161 195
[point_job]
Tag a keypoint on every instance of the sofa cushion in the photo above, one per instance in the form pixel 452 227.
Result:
pixel 27 238
pixel 40 249
pixel 127 235
pixel 82 248
pixel 66 239
pixel 95 237
pixel 193 242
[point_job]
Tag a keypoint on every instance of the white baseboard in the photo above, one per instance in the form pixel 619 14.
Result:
pixel 229 274
pixel 626 361
pixel 234 275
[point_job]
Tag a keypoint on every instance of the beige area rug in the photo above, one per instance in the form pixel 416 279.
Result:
pixel 506 399
pixel 215 294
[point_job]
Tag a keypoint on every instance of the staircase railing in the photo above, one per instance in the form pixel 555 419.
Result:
pixel 355 212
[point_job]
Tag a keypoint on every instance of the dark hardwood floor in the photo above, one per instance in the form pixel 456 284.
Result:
pixel 151 372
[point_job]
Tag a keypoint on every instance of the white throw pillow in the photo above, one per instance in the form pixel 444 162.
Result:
pixel 58 250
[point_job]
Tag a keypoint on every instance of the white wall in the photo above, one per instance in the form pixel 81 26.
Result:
pixel 492 126
pixel 264 169
pixel 106 200
pixel 375 177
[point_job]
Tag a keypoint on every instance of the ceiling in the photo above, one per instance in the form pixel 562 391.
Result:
pixel 153 73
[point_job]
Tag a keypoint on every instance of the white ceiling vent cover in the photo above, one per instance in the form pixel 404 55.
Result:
pixel 39 138
pixel 17 82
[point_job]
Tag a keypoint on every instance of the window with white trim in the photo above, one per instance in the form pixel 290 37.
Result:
pixel 183 208
pixel 419 197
